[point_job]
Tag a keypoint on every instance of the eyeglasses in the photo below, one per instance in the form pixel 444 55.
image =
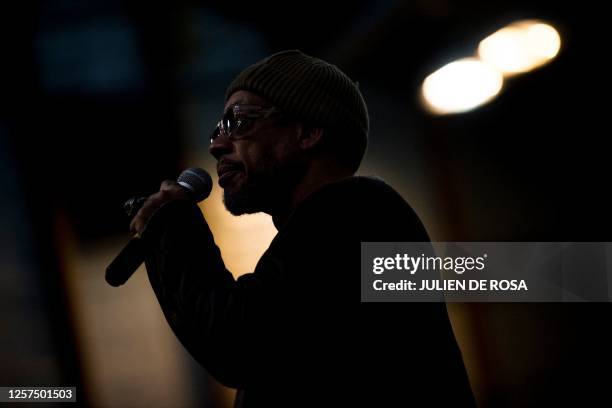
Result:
pixel 239 119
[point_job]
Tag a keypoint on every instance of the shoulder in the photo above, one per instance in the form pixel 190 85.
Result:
pixel 367 207
pixel 359 191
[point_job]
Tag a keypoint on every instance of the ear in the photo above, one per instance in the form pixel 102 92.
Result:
pixel 310 137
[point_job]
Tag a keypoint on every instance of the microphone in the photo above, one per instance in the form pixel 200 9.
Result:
pixel 195 180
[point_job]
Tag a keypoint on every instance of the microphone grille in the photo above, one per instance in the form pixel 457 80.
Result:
pixel 198 181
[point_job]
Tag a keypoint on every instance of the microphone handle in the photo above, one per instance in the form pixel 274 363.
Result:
pixel 132 255
pixel 126 263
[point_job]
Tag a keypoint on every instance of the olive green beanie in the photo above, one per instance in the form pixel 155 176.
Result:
pixel 309 89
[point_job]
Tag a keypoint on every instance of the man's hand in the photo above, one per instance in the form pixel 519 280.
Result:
pixel 168 191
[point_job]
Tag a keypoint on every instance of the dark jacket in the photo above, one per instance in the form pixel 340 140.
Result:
pixel 294 332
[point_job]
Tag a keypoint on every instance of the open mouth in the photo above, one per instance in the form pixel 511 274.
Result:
pixel 226 178
pixel 227 173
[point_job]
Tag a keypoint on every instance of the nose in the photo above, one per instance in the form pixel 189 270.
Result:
pixel 220 146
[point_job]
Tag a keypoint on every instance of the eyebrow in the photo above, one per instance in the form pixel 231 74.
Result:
pixel 238 102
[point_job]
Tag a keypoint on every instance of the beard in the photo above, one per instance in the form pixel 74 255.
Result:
pixel 267 189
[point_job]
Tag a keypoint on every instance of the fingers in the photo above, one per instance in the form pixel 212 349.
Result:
pixel 143 215
pixel 169 191
pixel 169 185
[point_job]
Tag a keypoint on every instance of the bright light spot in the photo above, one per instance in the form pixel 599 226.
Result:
pixel 242 240
pixel 520 46
pixel 461 86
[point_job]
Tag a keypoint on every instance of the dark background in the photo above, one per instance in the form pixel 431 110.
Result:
pixel 102 100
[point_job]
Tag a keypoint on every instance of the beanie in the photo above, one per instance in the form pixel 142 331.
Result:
pixel 309 89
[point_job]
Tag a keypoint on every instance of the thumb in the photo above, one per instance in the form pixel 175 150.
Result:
pixel 168 185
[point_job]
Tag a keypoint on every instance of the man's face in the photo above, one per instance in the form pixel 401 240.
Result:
pixel 259 165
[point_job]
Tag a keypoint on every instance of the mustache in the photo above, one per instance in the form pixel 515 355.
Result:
pixel 225 165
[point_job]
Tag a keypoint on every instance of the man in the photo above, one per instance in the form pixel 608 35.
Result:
pixel 294 333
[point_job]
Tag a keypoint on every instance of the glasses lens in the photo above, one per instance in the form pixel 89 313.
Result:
pixel 228 123
pixel 215 132
pixel 239 119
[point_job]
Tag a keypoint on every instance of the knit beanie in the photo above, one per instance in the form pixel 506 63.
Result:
pixel 308 89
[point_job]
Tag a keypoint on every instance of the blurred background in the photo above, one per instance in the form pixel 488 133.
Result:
pixel 498 140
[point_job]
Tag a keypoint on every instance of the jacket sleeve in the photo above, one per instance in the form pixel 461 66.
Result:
pixel 211 313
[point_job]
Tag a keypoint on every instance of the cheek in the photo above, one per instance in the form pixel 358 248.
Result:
pixel 253 156
pixel 288 153
pixel 265 155
pixel 285 147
